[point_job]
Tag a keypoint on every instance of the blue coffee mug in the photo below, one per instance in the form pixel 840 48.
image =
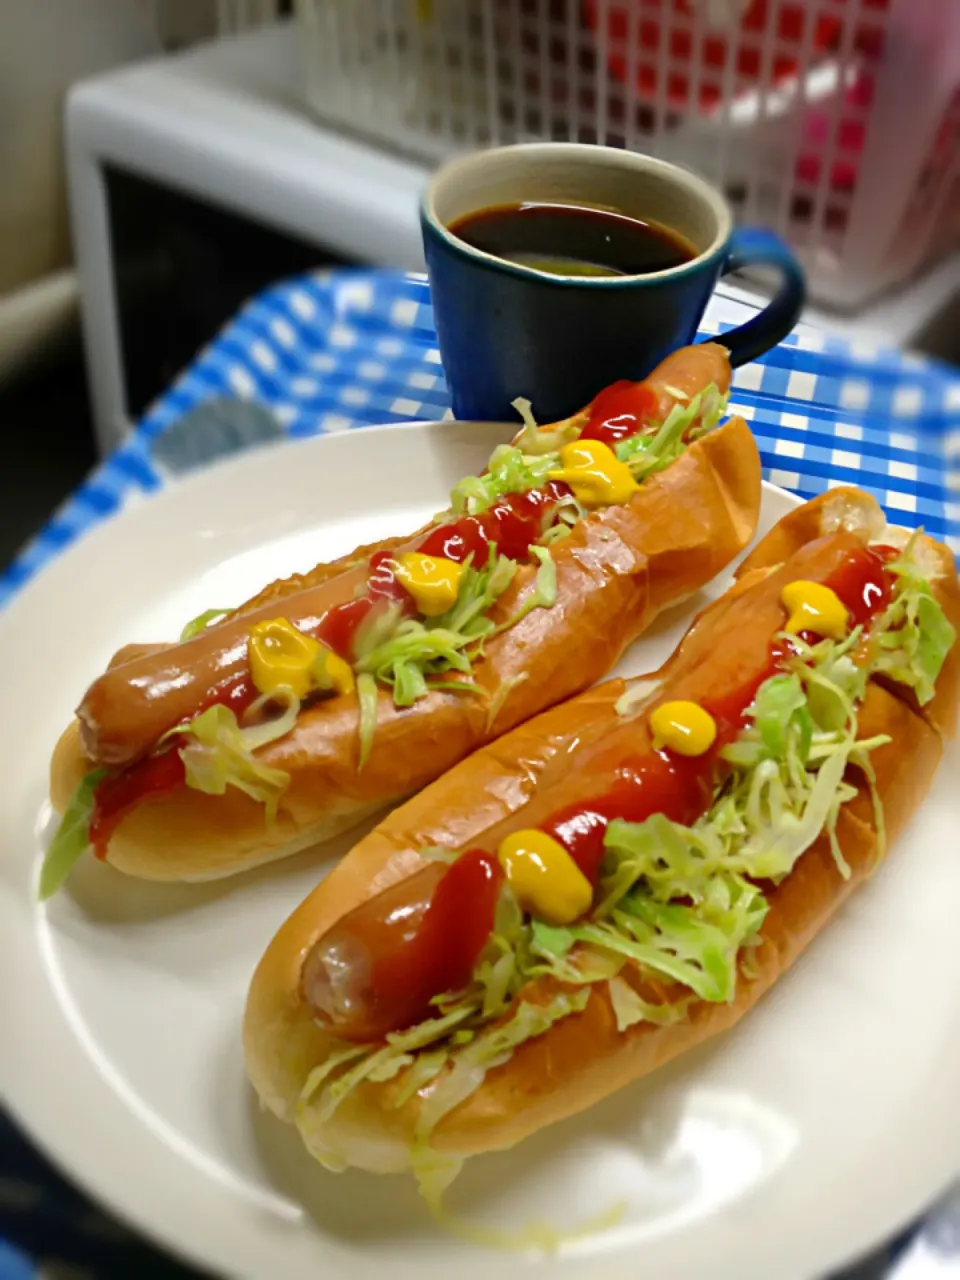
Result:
pixel 507 330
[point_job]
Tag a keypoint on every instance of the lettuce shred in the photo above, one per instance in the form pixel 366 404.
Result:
pixel 679 909
pixel 914 634
pixel 367 700
pixel 219 753
pixel 444 1076
pixel 509 471
pixel 408 655
pixel 204 620
pixel 629 1007
pixel 536 441
pixel 652 451
pixel 71 840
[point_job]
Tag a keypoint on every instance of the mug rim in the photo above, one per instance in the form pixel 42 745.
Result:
pixel 635 160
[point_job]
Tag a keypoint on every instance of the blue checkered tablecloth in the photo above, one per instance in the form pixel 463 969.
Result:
pixel 344 349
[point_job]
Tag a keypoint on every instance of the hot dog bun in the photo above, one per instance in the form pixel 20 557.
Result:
pixel 126 711
pixel 584 1057
pixel 616 571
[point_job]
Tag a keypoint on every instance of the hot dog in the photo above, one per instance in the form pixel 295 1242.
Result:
pixel 624 875
pixel 200 759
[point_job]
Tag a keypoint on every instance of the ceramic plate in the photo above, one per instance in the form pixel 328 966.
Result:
pixel 815 1128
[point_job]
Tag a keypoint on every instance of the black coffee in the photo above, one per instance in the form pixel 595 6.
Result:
pixel 570 240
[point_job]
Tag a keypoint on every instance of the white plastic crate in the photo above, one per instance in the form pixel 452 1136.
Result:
pixel 837 122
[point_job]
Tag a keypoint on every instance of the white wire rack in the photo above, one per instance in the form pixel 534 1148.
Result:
pixel 837 122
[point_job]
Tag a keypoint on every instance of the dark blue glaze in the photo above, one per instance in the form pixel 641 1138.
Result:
pixel 506 331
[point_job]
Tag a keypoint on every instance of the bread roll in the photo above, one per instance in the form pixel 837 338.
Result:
pixel 616 571
pixel 584 1057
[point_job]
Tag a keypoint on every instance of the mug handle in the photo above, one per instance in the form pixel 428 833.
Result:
pixel 757 247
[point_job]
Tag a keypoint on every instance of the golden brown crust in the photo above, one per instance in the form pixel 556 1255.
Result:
pixel 615 573
pixel 582 1058
pixel 321 573
pixel 836 510
pixel 127 709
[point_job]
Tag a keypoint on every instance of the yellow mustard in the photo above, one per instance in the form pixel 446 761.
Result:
pixel 595 474
pixel 813 607
pixel 547 881
pixel 433 581
pixel 684 727
pixel 281 656
pixel 331 674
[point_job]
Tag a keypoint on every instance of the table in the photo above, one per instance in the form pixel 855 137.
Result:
pixel 339 350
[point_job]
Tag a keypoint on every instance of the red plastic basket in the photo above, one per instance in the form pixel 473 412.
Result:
pixel 668 66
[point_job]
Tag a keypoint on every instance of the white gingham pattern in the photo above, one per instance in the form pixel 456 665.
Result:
pixel 341 350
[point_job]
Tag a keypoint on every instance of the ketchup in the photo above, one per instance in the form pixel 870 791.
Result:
pixel 658 783
pixel 458 540
pixel 339 626
pixel 458 921
pixel 620 411
pixel 236 693
pixel 680 787
pixel 514 522
pixel 156 775
pixel 402 968
pixel 114 797
pixel 382 582
pixel 862 582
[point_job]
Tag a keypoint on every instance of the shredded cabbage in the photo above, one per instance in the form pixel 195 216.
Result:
pixel 533 441
pixel 509 471
pixel 693 945
pixel 445 1076
pixel 367 701
pixel 635 696
pixel 219 754
pixel 648 452
pixel 71 840
pixel 675 392
pixel 491 1048
pixel 205 619
pixel 499 699
pixel 284 705
pixel 629 1008
pixel 408 654
pixel 680 902
pixel 550 940
pixel 479 590
pixel 416 645
pixel 914 634
pixel 543 595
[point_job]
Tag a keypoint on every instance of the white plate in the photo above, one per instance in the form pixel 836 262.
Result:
pixel 810 1132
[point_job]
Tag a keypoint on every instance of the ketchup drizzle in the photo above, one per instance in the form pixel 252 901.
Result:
pixel 620 411
pixel 513 524
pixel 680 787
